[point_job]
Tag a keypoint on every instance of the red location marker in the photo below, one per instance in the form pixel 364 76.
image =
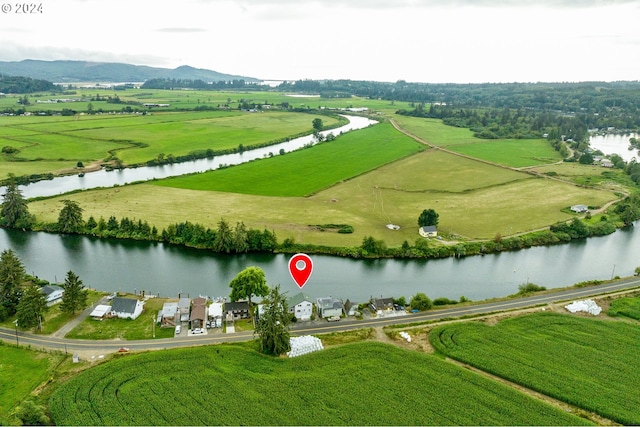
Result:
pixel 300 267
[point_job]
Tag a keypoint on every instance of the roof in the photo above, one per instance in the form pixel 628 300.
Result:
pixel 329 302
pixel 49 289
pixel 215 309
pixel 124 305
pixel 199 301
pixel 236 306
pixel 184 302
pixel 383 302
pixel 169 309
pixel 297 299
pixel 429 228
pixel 100 310
pixel 199 312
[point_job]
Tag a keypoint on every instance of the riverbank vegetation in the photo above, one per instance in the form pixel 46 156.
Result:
pixel 293 391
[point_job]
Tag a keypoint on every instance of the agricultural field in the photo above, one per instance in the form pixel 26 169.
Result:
pixel 434 132
pixel 305 172
pixel 625 307
pixel 353 384
pixel 515 153
pixel 589 363
pixel 22 371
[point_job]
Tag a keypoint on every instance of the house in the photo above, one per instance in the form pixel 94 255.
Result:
pixel 383 303
pixel 329 307
pixel 198 316
pixel 184 307
pixel 428 231
pixel 237 310
pixel 52 293
pixel 168 314
pixel 215 313
pixel 350 308
pixel 606 163
pixel 579 208
pixel 301 306
pixel 126 308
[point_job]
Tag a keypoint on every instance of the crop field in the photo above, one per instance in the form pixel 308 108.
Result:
pixel 592 364
pixel 354 384
pixel 138 138
pixel 435 132
pixel 304 172
pixel 625 307
pixel 514 153
pixel 22 371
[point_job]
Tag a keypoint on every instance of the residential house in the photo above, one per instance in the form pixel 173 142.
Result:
pixel 428 231
pixel 215 314
pixel 184 307
pixel 52 293
pixel 350 308
pixel 329 307
pixel 301 306
pixel 579 208
pixel 237 309
pixel 198 313
pixel 126 308
pixel 606 163
pixel 384 304
pixel 168 314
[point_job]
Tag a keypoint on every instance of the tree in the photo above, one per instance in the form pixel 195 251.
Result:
pixel 74 297
pixel 273 325
pixel 586 159
pixel 317 124
pixel 240 238
pixel 12 274
pixel 70 218
pixel 223 241
pixel 372 246
pixel 31 307
pixel 31 414
pixel 428 217
pixel 250 281
pixel 421 302
pixel 14 212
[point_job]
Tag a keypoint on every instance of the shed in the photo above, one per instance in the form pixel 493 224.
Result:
pixel 100 311
pixel 428 231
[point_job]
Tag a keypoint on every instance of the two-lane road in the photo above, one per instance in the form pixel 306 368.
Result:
pixel 110 346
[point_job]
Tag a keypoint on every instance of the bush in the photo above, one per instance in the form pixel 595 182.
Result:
pixel 528 288
pixel 421 302
pixel 444 301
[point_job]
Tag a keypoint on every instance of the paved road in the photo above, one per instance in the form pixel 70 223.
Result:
pixel 110 346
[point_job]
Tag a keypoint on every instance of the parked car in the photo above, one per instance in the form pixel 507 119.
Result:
pixel 333 318
pixel 197 331
pixel 178 328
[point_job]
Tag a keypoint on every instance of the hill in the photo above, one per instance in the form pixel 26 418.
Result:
pixel 82 71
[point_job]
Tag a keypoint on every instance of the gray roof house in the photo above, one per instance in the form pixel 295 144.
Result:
pixel 428 231
pixel 52 293
pixel 126 308
pixel 329 307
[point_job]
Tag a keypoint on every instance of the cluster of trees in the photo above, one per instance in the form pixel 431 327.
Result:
pixel 20 294
pixel 160 83
pixel 17 84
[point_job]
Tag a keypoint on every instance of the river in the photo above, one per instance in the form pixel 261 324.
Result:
pixel 615 144
pixel 166 270
pixel 104 178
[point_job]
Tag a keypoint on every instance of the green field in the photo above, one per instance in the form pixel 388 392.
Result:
pixel 434 132
pixel 22 371
pixel 354 384
pixel 304 172
pixel 625 307
pixel 592 364
pixel 515 153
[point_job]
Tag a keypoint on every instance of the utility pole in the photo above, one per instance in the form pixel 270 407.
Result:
pixel 17 342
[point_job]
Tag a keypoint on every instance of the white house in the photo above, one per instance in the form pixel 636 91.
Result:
pixel 301 306
pixel 428 231
pixel 579 208
pixel 52 293
pixel 127 308
pixel 329 307
pixel 606 163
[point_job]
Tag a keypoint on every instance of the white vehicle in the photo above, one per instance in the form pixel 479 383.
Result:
pixel 333 319
pixel 178 330
pixel 197 331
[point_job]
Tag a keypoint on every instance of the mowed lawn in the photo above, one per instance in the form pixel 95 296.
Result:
pixel 307 171
pixel 354 384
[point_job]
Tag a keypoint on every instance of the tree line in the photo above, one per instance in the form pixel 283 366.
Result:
pixel 18 84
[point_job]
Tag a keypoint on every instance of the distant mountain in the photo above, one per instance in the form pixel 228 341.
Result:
pixel 85 71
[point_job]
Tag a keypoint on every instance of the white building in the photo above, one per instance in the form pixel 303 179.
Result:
pixel 301 306
pixel 127 308
pixel 53 293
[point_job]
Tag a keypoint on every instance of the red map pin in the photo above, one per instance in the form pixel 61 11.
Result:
pixel 300 267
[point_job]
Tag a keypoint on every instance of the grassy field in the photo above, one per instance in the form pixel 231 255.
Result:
pixel 434 132
pixel 304 172
pixel 139 329
pixel 354 384
pixel 515 153
pixel 625 307
pixel 592 364
pixel 22 371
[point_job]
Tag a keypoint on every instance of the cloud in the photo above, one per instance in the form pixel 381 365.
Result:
pixel 181 30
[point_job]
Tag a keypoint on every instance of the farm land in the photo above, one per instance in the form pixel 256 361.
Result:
pixel 366 178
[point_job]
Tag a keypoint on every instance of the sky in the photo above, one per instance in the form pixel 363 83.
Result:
pixel 433 41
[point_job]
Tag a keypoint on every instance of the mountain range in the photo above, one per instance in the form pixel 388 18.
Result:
pixel 86 71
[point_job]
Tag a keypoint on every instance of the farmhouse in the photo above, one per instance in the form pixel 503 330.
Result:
pixel 301 306
pixel 329 307
pixel 52 293
pixel 579 208
pixel 126 308
pixel 428 231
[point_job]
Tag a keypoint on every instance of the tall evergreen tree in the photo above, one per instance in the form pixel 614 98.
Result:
pixel 70 217
pixel 240 238
pixel 75 295
pixel 223 241
pixel 12 275
pixel 14 212
pixel 31 307
pixel 273 325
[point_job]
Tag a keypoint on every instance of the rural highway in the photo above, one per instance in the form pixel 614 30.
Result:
pixel 109 346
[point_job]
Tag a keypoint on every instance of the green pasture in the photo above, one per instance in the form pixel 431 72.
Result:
pixel 354 384
pixel 307 171
pixel 625 307
pixel 22 371
pixel 35 167
pixel 141 328
pixel 589 363
pixel 434 132
pixel 66 147
pixel 515 153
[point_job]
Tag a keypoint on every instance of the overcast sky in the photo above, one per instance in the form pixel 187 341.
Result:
pixel 462 41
